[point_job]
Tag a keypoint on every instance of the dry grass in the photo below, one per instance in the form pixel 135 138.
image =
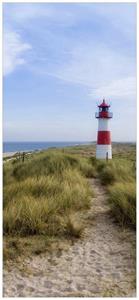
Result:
pixel 122 197
pixel 42 195
pixel 39 195
pixel 119 177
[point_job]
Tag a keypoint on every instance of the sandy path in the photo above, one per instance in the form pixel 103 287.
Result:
pixel 100 264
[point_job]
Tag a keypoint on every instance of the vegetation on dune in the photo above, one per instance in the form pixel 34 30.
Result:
pixel 122 197
pixel 116 170
pixel 42 194
pixel 119 178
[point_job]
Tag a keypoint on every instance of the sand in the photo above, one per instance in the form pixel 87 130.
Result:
pixel 8 154
pixel 101 263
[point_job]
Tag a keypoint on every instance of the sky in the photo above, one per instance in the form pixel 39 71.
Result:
pixel 59 61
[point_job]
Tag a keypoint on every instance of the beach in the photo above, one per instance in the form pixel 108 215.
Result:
pixel 8 154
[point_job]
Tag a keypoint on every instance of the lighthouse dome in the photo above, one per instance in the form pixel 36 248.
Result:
pixel 104 111
pixel 104 104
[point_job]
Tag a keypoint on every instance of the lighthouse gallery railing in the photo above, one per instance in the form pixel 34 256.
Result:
pixel 103 114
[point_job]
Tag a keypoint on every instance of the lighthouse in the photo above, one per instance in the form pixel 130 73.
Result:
pixel 103 147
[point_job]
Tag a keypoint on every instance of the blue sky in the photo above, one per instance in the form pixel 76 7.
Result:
pixel 60 60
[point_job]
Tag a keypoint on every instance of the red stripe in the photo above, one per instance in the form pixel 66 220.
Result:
pixel 104 138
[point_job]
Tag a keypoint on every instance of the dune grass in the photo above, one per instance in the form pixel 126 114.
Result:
pixel 116 170
pixel 122 197
pixel 119 178
pixel 42 194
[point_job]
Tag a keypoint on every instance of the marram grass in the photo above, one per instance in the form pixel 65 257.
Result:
pixel 44 196
pixel 119 177
pixel 122 198
pixel 41 194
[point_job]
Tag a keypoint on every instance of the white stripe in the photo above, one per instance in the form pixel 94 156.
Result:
pixel 102 150
pixel 103 125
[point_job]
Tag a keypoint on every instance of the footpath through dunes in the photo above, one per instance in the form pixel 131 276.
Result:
pixel 101 263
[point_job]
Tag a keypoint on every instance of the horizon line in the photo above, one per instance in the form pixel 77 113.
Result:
pixel 64 141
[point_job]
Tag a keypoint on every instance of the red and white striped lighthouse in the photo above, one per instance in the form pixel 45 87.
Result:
pixel 103 148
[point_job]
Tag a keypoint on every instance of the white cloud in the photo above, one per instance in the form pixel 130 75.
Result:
pixel 125 87
pixel 13 50
pixel 104 72
pixel 97 67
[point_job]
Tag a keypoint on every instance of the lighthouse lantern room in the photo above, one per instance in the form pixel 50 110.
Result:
pixel 103 147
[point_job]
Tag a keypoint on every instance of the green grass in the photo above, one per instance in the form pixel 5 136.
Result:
pixel 44 194
pixel 122 197
pixel 119 178
pixel 116 170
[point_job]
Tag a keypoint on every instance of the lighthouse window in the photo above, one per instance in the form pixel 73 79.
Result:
pixel 105 108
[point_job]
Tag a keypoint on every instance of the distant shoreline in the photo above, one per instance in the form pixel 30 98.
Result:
pixel 11 154
pixel 47 145
pixel 12 147
pixel 8 154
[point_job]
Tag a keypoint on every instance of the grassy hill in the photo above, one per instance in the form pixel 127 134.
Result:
pixel 44 196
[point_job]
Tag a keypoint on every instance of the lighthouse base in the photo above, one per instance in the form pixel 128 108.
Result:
pixel 104 152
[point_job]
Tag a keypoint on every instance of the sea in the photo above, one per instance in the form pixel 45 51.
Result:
pixel 36 146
